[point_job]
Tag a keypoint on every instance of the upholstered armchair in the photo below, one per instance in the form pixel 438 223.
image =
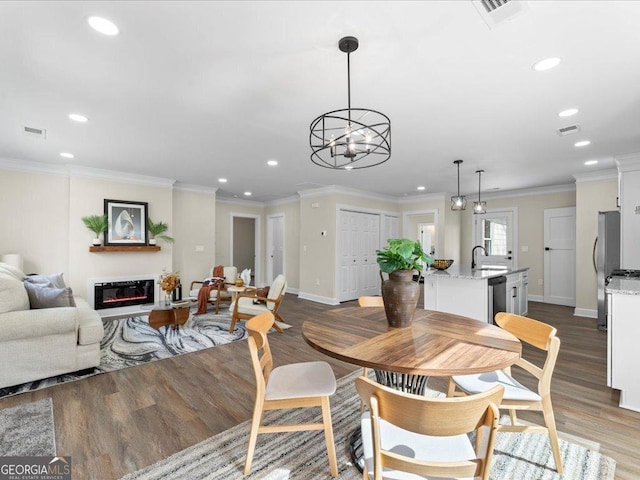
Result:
pixel 249 304
pixel 219 294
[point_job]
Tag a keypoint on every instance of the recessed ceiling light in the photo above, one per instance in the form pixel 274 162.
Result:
pixel 591 162
pixel 422 187
pixel 546 64
pixel 103 26
pixel 568 112
pixel 222 180
pixel 349 167
pixel 272 163
pixel 247 194
pixel 76 117
pixel 67 155
pixel 582 143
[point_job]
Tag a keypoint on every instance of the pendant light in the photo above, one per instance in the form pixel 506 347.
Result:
pixel 350 138
pixel 479 206
pixel 458 202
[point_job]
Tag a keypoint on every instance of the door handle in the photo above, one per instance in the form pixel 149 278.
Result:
pixel 595 267
pixel 547 248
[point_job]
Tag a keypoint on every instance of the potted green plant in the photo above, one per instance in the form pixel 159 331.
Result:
pixel 157 231
pixel 400 293
pixel 97 224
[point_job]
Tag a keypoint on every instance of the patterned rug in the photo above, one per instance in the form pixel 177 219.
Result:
pixel 302 455
pixel 132 341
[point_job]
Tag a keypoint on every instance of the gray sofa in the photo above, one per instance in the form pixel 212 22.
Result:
pixel 44 342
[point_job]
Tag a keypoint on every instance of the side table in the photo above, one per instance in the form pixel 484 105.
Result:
pixel 173 315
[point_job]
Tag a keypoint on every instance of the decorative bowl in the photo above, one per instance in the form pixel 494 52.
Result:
pixel 442 264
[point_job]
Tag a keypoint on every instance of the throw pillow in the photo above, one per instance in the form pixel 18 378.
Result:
pixel 47 296
pixel 55 279
pixel 261 292
pixel 13 296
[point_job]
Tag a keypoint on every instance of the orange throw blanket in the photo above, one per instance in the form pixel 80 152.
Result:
pixel 205 291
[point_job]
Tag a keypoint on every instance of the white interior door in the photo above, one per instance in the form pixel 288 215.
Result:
pixel 560 256
pixel 275 247
pixel 495 231
pixel 359 238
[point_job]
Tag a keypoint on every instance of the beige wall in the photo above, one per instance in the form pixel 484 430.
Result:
pixel 34 213
pixel 223 233
pixel 530 230
pixel 291 212
pixel 591 197
pixel 193 229
pixel 86 197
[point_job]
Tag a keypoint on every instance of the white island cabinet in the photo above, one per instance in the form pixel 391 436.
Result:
pixel 623 333
pixel 463 291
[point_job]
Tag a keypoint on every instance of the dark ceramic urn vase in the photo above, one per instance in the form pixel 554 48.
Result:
pixel 400 294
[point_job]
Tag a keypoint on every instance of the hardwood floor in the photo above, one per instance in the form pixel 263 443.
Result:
pixel 116 423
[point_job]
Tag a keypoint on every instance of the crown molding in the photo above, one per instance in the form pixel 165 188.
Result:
pixel 628 162
pixel 190 187
pixel 608 174
pixel 239 201
pixel 28 166
pixel 121 177
pixel 337 190
pixel 530 192
pixel 422 198
pixel 283 201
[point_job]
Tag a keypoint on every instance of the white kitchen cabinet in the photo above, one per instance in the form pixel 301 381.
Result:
pixel 629 185
pixel 623 362
pixel 517 291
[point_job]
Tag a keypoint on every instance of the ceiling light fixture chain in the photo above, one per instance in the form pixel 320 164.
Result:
pixel 458 202
pixel 479 206
pixel 350 138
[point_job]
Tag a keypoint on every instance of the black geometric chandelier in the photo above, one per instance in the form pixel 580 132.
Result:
pixel 350 138
pixel 479 206
pixel 458 202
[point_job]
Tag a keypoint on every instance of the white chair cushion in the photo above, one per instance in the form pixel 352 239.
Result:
pixel 230 275
pixel 308 379
pixel 403 442
pixel 513 390
pixel 212 295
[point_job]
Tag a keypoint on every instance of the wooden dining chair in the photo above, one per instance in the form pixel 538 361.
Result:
pixel 412 434
pixel 297 385
pixel 516 395
pixel 368 302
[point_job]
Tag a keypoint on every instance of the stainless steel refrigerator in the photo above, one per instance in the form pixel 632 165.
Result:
pixel 606 257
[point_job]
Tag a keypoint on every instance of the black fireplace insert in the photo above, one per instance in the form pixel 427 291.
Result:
pixel 124 293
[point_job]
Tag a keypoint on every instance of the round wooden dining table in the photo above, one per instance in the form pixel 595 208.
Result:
pixel 435 344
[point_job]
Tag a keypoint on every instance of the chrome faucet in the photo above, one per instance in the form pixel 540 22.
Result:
pixel 473 255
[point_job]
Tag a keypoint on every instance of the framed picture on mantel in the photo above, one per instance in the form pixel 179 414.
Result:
pixel 127 222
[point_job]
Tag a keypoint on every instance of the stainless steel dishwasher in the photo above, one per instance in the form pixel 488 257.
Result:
pixel 497 296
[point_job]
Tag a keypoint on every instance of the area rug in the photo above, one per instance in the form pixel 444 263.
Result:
pixel 27 430
pixel 132 341
pixel 302 455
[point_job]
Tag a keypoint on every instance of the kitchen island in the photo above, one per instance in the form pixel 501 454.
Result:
pixel 469 292
pixel 623 332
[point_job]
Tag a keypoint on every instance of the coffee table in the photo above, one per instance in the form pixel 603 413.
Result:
pixel 167 315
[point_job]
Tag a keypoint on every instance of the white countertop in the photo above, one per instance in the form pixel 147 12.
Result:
pixel 457 271
pixel 625 286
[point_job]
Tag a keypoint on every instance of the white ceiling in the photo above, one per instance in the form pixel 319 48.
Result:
pixel 198 90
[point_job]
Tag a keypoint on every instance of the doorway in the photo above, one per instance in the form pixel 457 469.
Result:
pixel 496 232
pixel 245 244
pixel 560 256
pixel 275 247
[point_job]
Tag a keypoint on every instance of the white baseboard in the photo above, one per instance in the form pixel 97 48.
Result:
pixel 535 298
pixel 318 298
pixel 293 291
pixel 585 312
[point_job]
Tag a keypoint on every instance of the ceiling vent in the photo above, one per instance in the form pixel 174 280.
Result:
pixel 35 132
pixel 568 130
pixel 494 12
